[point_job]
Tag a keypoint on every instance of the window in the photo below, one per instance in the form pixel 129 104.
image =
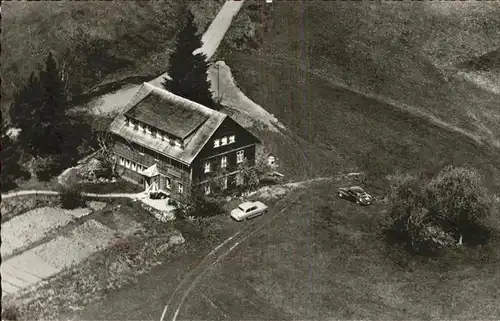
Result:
pixel 223 162
pixel 207 189
pixel 168 183
pixel 127 122
pixel 180 188
pixel 239 156
pixel 239 179
pixel 147 129
pixel 153 132
pixel 178 143
pixel 140 149
pixel 134 166
pixel 223 141
pixel 207 167
pixel 132 123
pixel 232 139
pixel 140 127
pixel 224 183
pixel 127 163
pixel 216 143
pixel 122 161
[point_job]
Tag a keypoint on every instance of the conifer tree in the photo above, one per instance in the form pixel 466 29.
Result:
pixel 25 102
pixel 187 70
pixel 49 118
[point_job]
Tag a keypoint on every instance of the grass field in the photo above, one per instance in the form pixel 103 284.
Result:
pixel 326 258
pixel 295 75
pixel 329 259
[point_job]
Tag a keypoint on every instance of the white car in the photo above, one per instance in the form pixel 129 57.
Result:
pixel 248 210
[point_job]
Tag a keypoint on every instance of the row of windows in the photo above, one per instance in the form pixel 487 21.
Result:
pixel 224 141
pixel 154 132
pixel 139 168
pixel 240 156
pixel 238 180
pixel 142 150
pixel 131 165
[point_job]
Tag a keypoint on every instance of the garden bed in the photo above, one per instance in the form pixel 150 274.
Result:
pixel 15 206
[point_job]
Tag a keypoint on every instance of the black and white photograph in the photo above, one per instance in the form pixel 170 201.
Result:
pixel 248 160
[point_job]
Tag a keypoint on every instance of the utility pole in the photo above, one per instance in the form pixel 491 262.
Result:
pixel 218 84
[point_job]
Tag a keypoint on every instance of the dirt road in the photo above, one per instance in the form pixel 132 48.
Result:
pixel 162 293
pixel 176 301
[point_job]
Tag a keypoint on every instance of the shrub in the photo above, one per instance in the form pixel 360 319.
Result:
pixel 458 195
pixel 72 198
pixel 433 214
pixel 198 205
pixel 46 168
pixel 10 313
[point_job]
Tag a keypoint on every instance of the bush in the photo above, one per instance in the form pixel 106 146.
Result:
pixel 72 198
pixel 10 313
pixel 434 213
pixel 198 205
pixel 458 195
pixel 47 168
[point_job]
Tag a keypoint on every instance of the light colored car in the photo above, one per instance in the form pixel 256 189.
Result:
pixel 248 210
pixel 355 193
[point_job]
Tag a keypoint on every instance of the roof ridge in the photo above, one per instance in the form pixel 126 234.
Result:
pixel 179 100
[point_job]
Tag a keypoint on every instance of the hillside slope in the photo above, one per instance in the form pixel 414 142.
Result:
pixel 405 51
pixel 400 54
pixel 96 43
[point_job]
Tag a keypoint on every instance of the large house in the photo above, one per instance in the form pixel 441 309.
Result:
pixel 171 144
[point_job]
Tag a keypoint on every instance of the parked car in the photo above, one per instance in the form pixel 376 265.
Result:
pixel 248 210
pixel 355 193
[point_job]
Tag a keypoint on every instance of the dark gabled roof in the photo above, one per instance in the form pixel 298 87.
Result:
pixel 196 136
pixel 166 116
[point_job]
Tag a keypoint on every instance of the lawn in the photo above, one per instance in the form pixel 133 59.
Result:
pixel 327 258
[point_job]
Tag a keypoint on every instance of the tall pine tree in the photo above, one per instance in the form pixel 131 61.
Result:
pixel 46 135
pixel 25 102
pixel 187 70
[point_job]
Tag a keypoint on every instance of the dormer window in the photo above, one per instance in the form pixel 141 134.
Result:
pixel 232 139
pixel 216 143
pixel 223 141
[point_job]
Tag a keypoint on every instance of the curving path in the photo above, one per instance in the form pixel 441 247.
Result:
pixel 47 192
